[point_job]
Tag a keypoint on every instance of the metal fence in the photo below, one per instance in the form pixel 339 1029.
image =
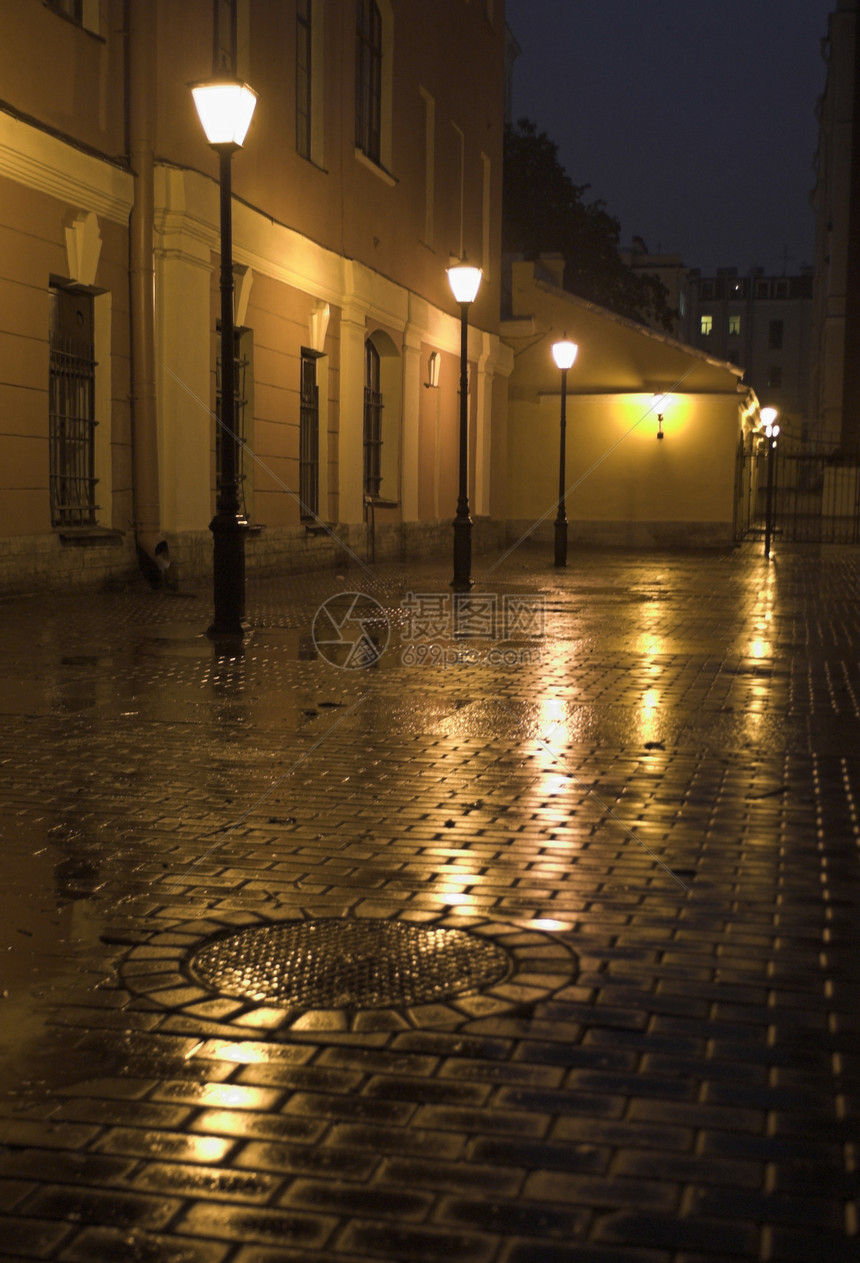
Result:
pixel 815 497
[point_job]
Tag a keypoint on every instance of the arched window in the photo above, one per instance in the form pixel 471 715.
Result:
pixel 372 421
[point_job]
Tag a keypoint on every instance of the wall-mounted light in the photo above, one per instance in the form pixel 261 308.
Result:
pixel 659 407
pixel 433 366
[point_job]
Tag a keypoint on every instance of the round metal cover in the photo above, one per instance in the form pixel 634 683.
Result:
pixel 335 964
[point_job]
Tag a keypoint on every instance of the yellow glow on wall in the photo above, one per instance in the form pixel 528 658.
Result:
pixel 637 414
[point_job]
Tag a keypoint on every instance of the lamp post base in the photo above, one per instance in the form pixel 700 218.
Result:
pixel 462 580
pixel 228 575
pixel 561 541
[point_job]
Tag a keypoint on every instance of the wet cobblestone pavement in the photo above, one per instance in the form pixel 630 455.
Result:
pixel 609 822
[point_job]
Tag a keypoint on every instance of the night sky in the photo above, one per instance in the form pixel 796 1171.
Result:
pixel 694 120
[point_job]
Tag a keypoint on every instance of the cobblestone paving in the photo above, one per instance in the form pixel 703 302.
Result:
pixel 643 790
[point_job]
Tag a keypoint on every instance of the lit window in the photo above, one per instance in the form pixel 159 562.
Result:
pixel 734 324
pixel 706 325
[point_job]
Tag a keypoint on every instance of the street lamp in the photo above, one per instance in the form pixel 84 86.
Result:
pixel 564 353
pixel 771 429
pixel 225 107
pixel 465 282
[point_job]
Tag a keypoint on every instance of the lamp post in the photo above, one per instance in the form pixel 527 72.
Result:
pixel 771 429
pixel 225 107
pixel 465 282
pixel 564 354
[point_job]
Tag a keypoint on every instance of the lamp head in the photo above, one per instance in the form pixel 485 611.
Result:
pixel 564 353
pixel 225 108
pixel 465 281
pixel 768 417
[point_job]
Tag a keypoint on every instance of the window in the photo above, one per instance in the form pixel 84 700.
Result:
pixel 243 342
pixel 775 335
pixel 304 65
pixel 372 421
pixel 734 325
pixel 368 80
pixel 708 289
pixel 72 424
pixel 309 438
pixel 83 13
pixel 706 324
pixel 73 9
pixel 762 289
pixel 429 166
pixel 774 377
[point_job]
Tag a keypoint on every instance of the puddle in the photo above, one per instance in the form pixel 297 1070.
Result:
pixel 49 949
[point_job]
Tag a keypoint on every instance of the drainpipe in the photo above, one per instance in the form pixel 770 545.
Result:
pixel 152 550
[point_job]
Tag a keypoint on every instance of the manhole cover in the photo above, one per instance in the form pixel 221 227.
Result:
pixel 335 964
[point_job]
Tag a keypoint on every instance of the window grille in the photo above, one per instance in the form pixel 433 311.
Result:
pixel 309 439
pixel 71 430
pixel 240 419
pixel 372 422
pixel 368 79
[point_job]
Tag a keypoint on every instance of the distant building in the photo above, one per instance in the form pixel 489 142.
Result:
pixel 668 269
pixel 764 325
pixel 655 429
pixel 835 384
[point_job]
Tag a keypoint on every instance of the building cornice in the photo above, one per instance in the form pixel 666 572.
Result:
pixel 43 159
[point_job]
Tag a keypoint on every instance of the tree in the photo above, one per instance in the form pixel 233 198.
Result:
pixel 543 211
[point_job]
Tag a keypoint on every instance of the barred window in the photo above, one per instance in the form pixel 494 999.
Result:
pixel 72 421
pixel 309 438
pixel 372 421
pixel 368 79
pixel 242 342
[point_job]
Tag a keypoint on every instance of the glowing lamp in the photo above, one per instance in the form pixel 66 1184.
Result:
pixel 465 281
pixel 768 417
pixel 226 108
pixel 564 353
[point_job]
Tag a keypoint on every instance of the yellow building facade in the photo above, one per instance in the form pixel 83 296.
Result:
pixel 372 162
pixel 625 485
